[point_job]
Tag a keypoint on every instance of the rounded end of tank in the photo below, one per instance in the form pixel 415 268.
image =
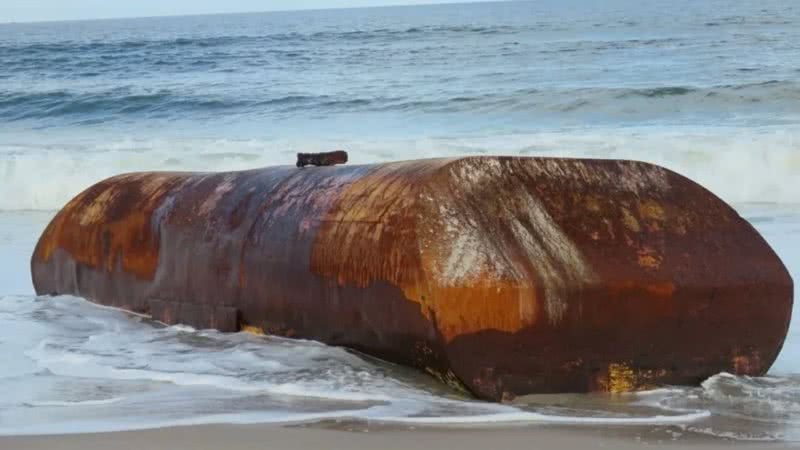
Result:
pixel 569 275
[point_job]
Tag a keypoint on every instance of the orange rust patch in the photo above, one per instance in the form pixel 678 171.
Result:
pixel 621 378
pixel 110 223
pixel 630 222
pixel 649 261
pixel 747 364
pixel 649 258
pixel 368 235
pixel 371 235
pixel 651 210
pixel 592 203
pixel 661 289
pixel 252 329
pixel 741 364
pixel 470 309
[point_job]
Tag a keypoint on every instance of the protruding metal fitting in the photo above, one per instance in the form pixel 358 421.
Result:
pixel 322 159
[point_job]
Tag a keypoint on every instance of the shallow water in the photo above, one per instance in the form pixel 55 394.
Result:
pixel 709 89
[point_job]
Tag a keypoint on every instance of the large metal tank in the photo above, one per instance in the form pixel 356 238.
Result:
pixel 500 275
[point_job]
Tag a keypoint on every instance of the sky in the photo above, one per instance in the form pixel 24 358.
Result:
pixel 44 10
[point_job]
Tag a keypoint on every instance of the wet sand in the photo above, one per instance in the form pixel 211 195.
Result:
pixel 268 437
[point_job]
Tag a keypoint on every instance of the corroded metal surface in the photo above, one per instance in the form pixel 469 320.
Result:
pixel 321 159
pixel 505 276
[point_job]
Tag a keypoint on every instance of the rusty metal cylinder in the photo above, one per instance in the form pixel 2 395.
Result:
pixel 501 275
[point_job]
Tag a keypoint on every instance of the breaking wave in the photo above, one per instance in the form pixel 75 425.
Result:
pixel 739 165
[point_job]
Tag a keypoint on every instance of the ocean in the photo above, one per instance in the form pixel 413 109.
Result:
pixel 710 89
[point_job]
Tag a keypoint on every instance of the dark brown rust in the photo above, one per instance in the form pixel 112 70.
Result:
pixel 322 159
pixel 506 276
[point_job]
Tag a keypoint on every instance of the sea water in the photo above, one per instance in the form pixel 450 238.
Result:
pixel 709 89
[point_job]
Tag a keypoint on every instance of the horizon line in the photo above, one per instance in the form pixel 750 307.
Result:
pixel 332 8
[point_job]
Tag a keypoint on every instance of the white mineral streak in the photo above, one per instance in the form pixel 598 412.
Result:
pixel 467 257
pixel 161 213
pixel 558 262
pixel 223 188
pixel 473 249
pixel 636 177
pixel 470 252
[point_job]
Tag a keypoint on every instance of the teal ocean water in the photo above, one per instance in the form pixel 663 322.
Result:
pixel 710 89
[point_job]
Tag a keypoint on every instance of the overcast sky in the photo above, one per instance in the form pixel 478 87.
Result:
pixel 38 10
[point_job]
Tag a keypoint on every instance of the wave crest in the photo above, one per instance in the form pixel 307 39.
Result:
pixel 129 102
pixel 740 165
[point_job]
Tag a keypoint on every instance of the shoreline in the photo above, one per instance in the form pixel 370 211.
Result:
pixel 360 436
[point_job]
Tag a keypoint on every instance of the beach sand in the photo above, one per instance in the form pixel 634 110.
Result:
pixel 267 437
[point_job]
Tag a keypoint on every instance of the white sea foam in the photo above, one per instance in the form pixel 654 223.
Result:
pixel 75 403
pixel 98 369
pixel 529 417
pixel 739 164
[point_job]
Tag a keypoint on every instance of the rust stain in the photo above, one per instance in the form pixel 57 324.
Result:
pixel 629 221
pixel 649 258
pixel 109 224
pixel 469 309
pixel 744 364
pixel 514 243
pixel 652 210
pixel 621 378
pixel 592 203
pixel 252 329
pixel 649 261
pixel 661 288
pixel 368 235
